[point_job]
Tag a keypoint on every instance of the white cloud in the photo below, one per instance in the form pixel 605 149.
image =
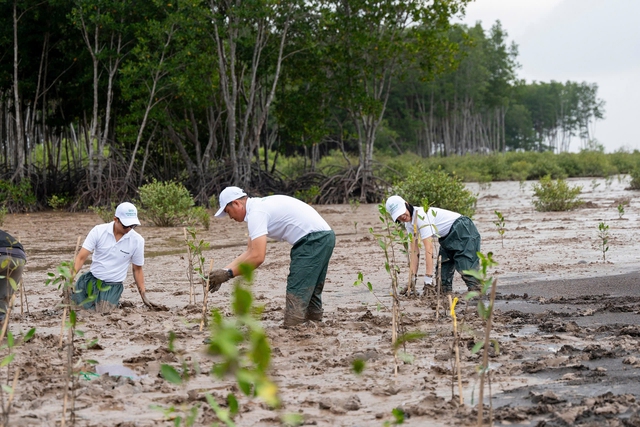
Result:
pixel 579 40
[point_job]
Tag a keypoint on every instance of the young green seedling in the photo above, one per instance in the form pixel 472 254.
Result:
pixel 240 349
pixel 392 234
pixel 603 234
pixel 620 210
pixel 486 313
pixel 500 226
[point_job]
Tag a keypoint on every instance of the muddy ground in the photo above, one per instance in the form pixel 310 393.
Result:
pixel 567 321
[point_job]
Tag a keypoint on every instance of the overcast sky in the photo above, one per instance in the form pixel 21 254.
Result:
pixel 597 41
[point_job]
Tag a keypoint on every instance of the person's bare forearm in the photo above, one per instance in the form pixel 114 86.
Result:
pixel 428 256
pixel 138 278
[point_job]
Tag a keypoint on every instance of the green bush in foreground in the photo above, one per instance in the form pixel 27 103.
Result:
pixel 555 195
pixel 439 188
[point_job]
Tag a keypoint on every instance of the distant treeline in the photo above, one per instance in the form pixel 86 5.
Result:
pixel 101 96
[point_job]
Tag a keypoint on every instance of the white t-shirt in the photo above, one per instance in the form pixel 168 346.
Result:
pixel 282 218
pixel 435 222
pixel 111 259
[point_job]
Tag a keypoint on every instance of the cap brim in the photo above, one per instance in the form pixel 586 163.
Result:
pixel 221 212
pixel 133 222
pixel 395 216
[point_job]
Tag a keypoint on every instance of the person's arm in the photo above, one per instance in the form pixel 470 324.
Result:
pixel 138 277
pixel 254 255
pixel 428 256
pixel 414 254
pixel 81 257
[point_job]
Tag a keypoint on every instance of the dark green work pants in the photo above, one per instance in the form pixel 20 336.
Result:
pixel 459 250
pixel 94 294
pixel 10 276
pixel 309 261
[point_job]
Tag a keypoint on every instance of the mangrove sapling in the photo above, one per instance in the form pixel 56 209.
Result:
pixel 196 260
pixel 456 344
pixel 486 313
pixel 603 234
pixel 393 235
pixel 205 298
pixel 360 281
pixel 620 211
pixel 240 348
pixel 10 387
pixel 500 226
pixel 64 280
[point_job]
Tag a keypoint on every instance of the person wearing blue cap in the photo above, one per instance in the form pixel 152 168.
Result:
pixel 282 218
pixel 115 246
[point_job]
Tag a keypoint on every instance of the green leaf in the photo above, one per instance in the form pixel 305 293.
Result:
pixel 292 419
pixel 242 301
pixel 29 335
pixel 496 345
pixel 10 339
pixel 358 366
pixel 476 348
pixel 232 401
pixel 170 374
pixel 398 415
pixel 72 318
pixel 8 359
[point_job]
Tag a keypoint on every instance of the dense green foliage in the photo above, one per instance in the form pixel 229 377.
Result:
pixel 106 96
pixel 555 195
pixel 518 166
pixel 436 188
pixel 17 197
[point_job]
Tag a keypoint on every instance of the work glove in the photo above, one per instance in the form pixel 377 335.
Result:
pixel 428 281
pixel 217 278
pixel 153 306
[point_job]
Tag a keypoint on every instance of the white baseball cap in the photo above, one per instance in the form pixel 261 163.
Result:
pixel 227 196
pixel 127 214
pixel 396 206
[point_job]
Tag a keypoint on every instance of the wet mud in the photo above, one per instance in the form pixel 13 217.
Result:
pixel 567 323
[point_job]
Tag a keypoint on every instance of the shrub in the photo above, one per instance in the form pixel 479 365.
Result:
pixel 199 214
pixel 309 195
pixel 59 202
pixel 555 195
pixel 440 189
pixel 17 197
pixel 3 215
pixel 635 178
pixel 165 204
pixel 105 213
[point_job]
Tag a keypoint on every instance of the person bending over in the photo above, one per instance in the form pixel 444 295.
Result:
pixel 282 218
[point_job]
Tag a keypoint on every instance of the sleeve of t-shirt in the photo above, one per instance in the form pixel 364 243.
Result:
pixel 426 226
pixel 257 223
pixel 138 255
pixel 91 240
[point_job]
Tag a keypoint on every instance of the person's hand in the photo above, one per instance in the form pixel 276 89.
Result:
pixel 428 280
pixel 217 278
pixel 153 306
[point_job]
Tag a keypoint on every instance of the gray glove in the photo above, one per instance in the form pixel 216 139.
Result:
pixel 217 278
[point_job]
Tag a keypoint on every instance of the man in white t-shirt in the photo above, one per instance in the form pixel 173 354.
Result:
pixel 282 218
pixel 457 234
pixel 115 246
